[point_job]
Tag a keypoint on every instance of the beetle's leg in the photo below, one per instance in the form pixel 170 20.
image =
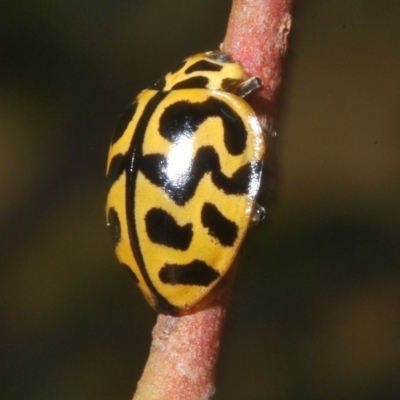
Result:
pixel 248 86
pixel 258 214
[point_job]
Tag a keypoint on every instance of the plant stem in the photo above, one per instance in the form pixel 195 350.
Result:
pixel 185 349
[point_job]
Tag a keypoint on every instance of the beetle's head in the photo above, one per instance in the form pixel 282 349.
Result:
pixel 213 70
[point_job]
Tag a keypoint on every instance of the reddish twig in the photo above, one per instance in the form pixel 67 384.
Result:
pixel 257 36
pixel 184 352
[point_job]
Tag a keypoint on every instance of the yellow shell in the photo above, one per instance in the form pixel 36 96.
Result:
pixel 184 171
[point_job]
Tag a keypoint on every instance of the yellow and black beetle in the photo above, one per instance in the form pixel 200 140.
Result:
pixel 183 173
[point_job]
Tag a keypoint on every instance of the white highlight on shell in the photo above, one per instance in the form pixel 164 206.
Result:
pixel 180 159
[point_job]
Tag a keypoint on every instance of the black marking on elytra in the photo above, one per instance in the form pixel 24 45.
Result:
pixel 154 168
pixel 134 157
pixel 117 167
pixel 131 273
pixel 242 175
pixel 203 65
pixel 228 84
pixel 164 307
pixel 219 227
pixel 123 121
pixel 197 82
pixel 159 85
pixel 182 119
pixel 114 225
pixel 195 273
pixel 163 229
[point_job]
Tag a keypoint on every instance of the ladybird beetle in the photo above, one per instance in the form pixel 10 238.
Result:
pixel 183 173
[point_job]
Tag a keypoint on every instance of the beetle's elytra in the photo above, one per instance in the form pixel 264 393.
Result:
pixel 183 174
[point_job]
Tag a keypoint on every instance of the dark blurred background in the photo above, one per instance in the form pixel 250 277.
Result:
pixel 316 307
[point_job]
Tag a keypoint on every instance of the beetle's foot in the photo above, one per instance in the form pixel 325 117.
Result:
pixel 248 86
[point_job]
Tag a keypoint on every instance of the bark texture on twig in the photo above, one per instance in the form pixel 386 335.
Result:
pixel 184 351
pixel 257 36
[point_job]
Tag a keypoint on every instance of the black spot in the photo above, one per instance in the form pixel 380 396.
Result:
pixel 195 273
pixel 133 157
pixel 181 190
pixel 183 119
pixel 235 134
pixel 198 82
pixel 131 273
pixel 220 227
pixel 203 65
pixel 114 226
pixel 123 122
pixel 159 85
pixel 163 229
pixel 115 170
pixel 242 176
pixel 154 168
pixel 164 307
pixel 228 84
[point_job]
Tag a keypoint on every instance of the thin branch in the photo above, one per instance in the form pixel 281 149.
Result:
pixel 185 349
pixel 257 36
